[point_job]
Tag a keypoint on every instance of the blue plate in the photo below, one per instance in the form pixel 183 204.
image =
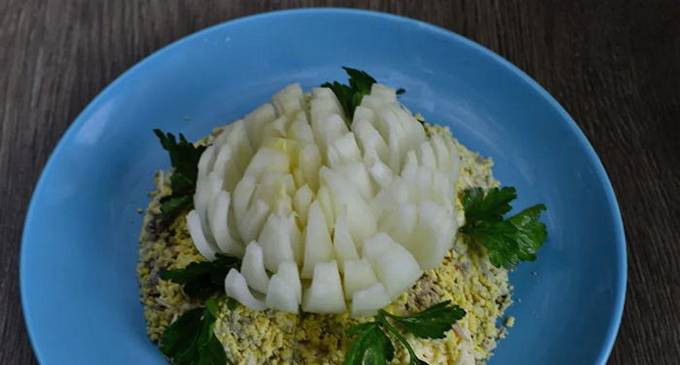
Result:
pixel 78 283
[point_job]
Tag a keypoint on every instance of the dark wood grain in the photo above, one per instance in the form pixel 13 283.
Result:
pixel 614 65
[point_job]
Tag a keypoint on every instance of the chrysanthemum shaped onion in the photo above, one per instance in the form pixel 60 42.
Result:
pixel 323 214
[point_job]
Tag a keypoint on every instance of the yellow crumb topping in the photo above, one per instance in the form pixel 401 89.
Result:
pixel 271 337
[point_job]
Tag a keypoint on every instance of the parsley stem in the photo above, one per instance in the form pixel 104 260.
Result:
pixel 382 318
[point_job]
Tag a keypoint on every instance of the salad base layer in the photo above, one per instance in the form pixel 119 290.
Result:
pixel 466 277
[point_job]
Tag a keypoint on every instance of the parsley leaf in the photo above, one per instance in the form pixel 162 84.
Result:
pixel 350 96
pixel 191 339
pixel 174 204
pixel 184 158
pixel 413 359
pixel 512 241
pixel 372 346
pixel 359 80
pixel 184 155
pixel 507 241
pixel 433 322
pixel 487 206
pixel 345 96
pixel 203 279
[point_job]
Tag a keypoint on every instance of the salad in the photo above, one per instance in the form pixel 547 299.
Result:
pixel 333 226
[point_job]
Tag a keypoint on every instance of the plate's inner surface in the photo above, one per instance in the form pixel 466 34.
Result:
pixel 80 243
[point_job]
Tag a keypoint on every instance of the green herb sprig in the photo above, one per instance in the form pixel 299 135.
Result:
pixel 350 95
pixel 201 280
pixel 191 339
pixel 372 343
pixel 508 241
pixel 184 158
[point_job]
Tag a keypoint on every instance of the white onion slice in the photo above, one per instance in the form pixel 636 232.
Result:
pixel 426 155
pixel 268 159
pixel 323 104
pixel 325 293
pixel 236 287
pixel 327 130
pixel 310 162
pixel 362 114
pixel 242 196
pixel 256 120
pixel 289 272
pixel 220 227
pixel 252 268
pixel 370 140
pixel 226 167
pixel 394 266
pixel 372 102
pixel 242 149
pixel 356 173
pixel 285 291
pixel 433 235
pixel 318 245
pixel 366 302
pixel 326 203
pixel 288 100
pixel 400 222
pixel 300 130
pixel 280 296
pixel 381 173
pixel 360 221
pixel 196 232
pixel 275 129
pixel 343 149
pixel 301 201
pixel 343 245
pixel 442 153
pixel 275 239
pixel 206 191
pixel 387 94
pixel 358 275
pixel 253 220
pixel 205 163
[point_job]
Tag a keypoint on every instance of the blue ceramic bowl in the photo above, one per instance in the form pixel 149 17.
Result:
pixel 78 283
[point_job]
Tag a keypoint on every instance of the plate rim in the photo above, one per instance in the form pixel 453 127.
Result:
pixel 583 141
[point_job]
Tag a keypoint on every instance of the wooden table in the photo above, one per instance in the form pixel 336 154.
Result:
pixel 613 64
